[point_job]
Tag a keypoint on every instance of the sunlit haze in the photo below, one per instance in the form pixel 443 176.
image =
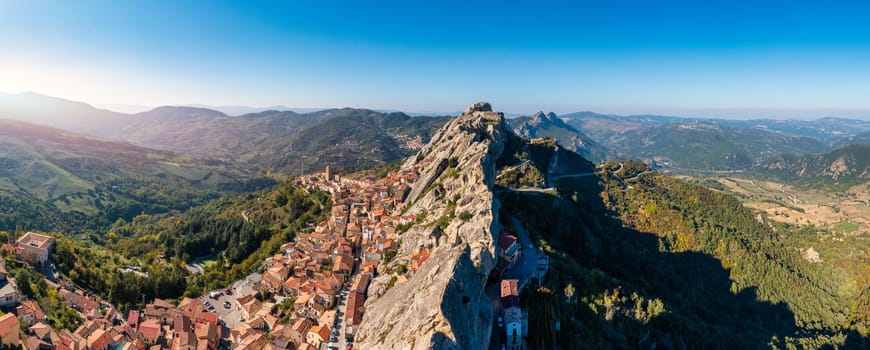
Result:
pixel 711 58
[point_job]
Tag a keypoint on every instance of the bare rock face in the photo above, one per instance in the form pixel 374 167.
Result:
pixel 443 305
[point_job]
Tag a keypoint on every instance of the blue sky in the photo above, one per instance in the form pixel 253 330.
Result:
pixel 698 58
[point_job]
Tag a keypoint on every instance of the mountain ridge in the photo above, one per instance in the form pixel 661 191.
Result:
pixel 849 164
pixel 443 305
pixel 93 181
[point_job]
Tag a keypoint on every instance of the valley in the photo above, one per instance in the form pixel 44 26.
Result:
pixel 472 175
pixel 846 213
pixel 622 242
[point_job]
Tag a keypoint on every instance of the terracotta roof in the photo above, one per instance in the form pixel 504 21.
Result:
pixel 8 323
pixel 41 330
pixel 34 343
pixel 185 339
pixel 355 307
pixel 209 317
pixel 323 332
pixel 133 318
pixel 163 304
pixel 35 240
pixel 150 330
pixel 30 306
pixel 99 339
pixel 506 240
pixel 509 288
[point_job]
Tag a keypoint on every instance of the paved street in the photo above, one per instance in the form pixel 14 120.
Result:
pixel 231 316
pixel 339 324
pixel 494 293
pixel 527 265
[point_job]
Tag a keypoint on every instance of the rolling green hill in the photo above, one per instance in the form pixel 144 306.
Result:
pixel 56 180
pixel 351 139
pixel 863 138
pixel 270 141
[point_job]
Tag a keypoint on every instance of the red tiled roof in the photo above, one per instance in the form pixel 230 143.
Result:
pixel 8 323
pixel 99 339
pixel 133 318
pixel 506 240
pixel 509 288
pixel 150 330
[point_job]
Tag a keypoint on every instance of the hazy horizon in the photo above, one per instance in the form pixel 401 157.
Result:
pixel 728 114
pixel 742 60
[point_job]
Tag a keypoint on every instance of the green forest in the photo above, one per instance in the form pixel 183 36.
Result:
pixel 161 245
pixel 639 258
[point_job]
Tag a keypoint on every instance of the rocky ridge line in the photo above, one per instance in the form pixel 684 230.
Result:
pixel 443 305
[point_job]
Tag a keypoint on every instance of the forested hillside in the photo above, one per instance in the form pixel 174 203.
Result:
pixel 350 139
pixel 639 258
pixel 704 146
pixel 231 235
pixel 846 166
pixel 269 141
pixel 55 180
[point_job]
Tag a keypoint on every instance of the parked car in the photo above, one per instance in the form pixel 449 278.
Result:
pixel 227 305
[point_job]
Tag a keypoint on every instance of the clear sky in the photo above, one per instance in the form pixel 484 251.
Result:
pixel 699 58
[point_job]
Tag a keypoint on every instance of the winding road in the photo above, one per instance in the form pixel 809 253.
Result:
pixel 512 167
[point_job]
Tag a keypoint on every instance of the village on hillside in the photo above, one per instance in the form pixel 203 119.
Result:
pixel 309 295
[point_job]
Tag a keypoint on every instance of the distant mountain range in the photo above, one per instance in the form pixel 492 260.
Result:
pixel 286 141
pixel 277 141
pixel 549 125
pixel 692 144
pixel 52 179
pixel 847 165
pixel 242 110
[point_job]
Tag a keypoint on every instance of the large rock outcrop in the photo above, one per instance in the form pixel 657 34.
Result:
pixel 550 125
pixel 443 305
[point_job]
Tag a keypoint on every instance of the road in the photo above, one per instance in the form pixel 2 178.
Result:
pixel 528 261
pixel 341 310
pixel 572 175
pixel 494 293
pixel 620 168
pixel 550 180
pixel 196 266
pixel 231 316
pixel 339 324
pixel 524 268
pixel 512 167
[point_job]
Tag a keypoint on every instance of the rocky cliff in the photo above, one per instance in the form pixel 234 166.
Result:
pixel 850 164
pixel 550 125
pixel 443 304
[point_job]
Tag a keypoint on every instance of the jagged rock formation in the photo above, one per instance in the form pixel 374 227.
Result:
pixel 550 125
pixel 443 305
pixel 848 164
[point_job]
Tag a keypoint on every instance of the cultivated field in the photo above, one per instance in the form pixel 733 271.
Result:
pixel 847 212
